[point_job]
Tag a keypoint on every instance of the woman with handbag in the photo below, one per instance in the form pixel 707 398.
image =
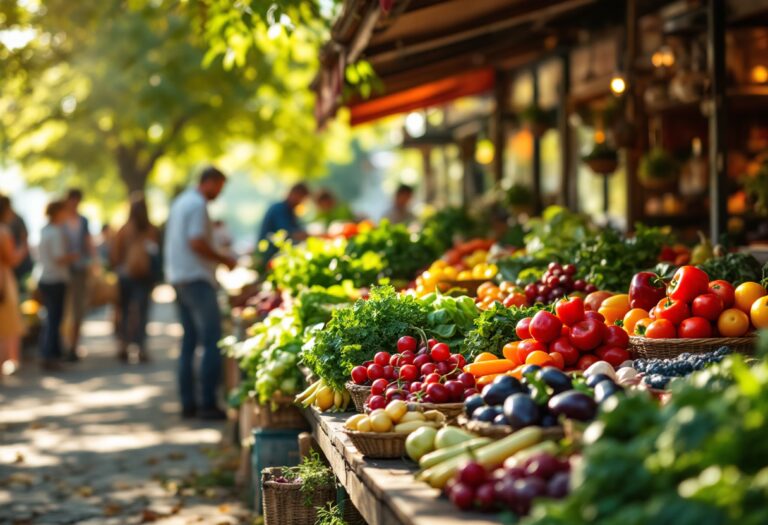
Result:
pixel 135 256
pixel 11 324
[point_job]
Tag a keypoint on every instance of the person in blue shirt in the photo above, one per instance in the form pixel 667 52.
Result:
pixel 281 216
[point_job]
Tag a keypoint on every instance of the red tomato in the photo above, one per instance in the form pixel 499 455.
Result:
pixel 522 328
pixel 672 310
pixel 428 368
pixel 379 386
pixel 661 329
pixel 694 327
pixel 563 346
pixel 616 336
pixel 375 372
pixel 570 310
pixel 687 283
pixel 725 291
pixel 407 343
pixel 565 331
pixel 587 335
pixel 440 352
pixel 515 299
pixel 408 373
pixel 359 375
pixel 421 360
pixel 613 355
pixel 594 314
pixel 382 358
pixel 526 346
pixel 545 327
pixel 438 392
pixel 557 360
pixel 586 361
pixel 708 305
pixel 432 378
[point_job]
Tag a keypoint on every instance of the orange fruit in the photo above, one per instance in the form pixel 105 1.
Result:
pixel 733 323
pixel 759 312
pixel 746 295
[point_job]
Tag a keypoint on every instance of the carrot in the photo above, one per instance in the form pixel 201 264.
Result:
pixel 486 380
pixel 485 356
pixel 483 368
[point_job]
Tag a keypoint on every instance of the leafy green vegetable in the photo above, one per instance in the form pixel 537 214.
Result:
pixel 440 228
pixel 735 268
pixel 316 305
pixel 450 318
pixel 555 233
pixel 495 327
pixel 528 268
pixel 700 459
pixel 354 334
pixel 312 473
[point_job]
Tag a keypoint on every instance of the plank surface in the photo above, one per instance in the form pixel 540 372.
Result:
pixel 385 491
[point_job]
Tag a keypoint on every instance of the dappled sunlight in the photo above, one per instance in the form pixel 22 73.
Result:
pixel 164 294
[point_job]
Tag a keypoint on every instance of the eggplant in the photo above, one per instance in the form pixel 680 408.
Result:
pixel 472 403
pixel 521 411
pixel 605 389
pixel 595 379
pixel 573 405
pixel 501 419
pixel 485 414
pixel 501 389
pixel 557 380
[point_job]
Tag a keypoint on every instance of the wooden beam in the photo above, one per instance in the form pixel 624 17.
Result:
pixel 567 186
pixel 718 165
pixel 536 186
pixel 498 129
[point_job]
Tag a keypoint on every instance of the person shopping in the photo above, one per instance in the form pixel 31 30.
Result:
pixel 190 266
pixel 134 254
pixel 11 324
pixel 54 262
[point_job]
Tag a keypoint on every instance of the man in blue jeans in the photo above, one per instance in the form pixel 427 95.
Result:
pixel 190 266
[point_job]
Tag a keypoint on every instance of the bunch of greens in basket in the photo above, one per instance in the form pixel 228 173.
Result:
pixel 313 475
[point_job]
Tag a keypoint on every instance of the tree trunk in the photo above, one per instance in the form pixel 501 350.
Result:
pixel 133 175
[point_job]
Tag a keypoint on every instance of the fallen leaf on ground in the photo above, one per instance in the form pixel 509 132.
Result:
pixel 19 458
pixel 85 491
pixel 148 515
pixel 112 509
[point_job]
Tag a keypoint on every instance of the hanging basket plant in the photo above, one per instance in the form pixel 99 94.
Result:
pixel 658 169
pixel 603 159
pixel 537 120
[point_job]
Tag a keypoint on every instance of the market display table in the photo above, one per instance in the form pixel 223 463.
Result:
pixel 384 490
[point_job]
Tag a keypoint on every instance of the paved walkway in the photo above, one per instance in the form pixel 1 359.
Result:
pixel 102 442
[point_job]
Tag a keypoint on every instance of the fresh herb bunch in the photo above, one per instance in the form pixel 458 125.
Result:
pixel 736 268
pixel 312 473
pixel 402 254
pixel 355 334
pixel 495 327
pixel 554 235
pixel 330 515
pixel 609 260
pixel 700 459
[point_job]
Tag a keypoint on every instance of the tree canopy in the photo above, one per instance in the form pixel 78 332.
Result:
pixel 116 88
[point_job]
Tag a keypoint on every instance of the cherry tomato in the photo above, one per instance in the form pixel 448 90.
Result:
pixel 563 346
pixel 725 291
pixel 570 310
pixel 616 336
pixel 416 386
pixel 438 392
pixel 557 360
pixel 695 327
pixel 687 283
pixel 377 402
pixel 407 343
pixel 545 327
pixel 455 390
pixel 432 378
pixel 586 361
pixel 672 310
pixel 522 328
pixel 642 326
pixel 733 323
pixel 708 305
pixel 375 372
pixel 431 343
pixel 613 355
pixel 428 368
pixel 587 335
pixel 526 346
pixel 379 386
pixel 538 357
pixel 661 329
pixel 359 375
pixel 457 360
pixel 382 358
pixel 467 379
pixel 444 368
pixel 407 358
pixel 408 373
pixel 440 352
pixel 390 373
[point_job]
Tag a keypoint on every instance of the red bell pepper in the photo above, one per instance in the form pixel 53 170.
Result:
pixel 687 283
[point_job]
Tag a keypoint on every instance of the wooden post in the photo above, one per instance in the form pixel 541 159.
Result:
pixel 429 174
pixel 632 115
pixel 567 189
pixel 718 164
pixel 536 161
pixel 499 136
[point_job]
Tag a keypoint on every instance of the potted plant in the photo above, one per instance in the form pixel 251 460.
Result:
pixel 536 119
pixel 603 159
pixel 658 169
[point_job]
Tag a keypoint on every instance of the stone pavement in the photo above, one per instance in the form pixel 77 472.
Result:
pixel 102 443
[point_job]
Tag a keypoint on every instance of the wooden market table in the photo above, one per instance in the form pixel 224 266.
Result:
pixel 384 490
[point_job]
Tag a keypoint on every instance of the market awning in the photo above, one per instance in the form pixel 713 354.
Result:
pixel 426 95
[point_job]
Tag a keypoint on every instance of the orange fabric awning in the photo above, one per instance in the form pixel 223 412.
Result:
pixel 426 95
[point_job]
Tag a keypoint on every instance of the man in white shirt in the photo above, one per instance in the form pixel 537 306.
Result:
pixel 190 266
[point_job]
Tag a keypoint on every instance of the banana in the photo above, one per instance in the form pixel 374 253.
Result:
pixel 337 399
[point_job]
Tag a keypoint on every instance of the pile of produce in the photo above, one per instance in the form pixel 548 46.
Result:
pixel 396 416
pixel 430 374
pixel 494 328
pixel 443 276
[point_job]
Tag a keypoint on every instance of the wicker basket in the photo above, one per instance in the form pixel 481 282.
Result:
pixel 451 411
pixel 489 430
pixel 646 348
pixel 286 415
pixel 358 393
pixel 284 504
pixel 383 445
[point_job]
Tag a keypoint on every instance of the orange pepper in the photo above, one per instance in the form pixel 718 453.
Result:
pixel 485 356
pixel 483 368
pixel 486 380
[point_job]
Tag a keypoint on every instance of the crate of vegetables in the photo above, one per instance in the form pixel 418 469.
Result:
pixel 694 315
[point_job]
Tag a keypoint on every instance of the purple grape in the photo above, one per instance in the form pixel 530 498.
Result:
pixel 558 487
